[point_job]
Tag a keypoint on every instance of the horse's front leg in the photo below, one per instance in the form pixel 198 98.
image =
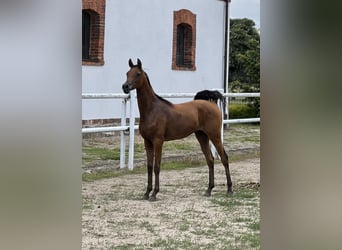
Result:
pixel 150 155
pixel 158 145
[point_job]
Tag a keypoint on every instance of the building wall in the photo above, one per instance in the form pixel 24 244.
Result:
pixel 144 29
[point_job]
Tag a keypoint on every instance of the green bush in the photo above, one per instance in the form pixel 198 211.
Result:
pixel 237 111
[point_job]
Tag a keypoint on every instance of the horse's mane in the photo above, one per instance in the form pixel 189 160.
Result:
pixel 159 97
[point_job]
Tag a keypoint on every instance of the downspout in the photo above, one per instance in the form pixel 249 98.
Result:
pixel 226 55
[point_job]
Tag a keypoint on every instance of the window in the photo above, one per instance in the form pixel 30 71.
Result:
pixel 184 40
pixel 93 20
pixel 184 43
pixel 85 35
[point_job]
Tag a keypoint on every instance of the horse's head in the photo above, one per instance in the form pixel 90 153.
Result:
pixel 134 77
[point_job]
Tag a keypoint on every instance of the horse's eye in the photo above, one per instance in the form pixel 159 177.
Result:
pixel 138 74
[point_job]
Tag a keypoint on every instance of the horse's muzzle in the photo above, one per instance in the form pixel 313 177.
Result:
pixel 126 88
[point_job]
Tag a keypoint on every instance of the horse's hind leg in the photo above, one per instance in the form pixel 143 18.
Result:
pixel 203 139
pixel 224 159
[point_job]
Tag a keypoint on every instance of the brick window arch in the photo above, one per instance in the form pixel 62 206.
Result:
pixel 93 14
pixel 184 40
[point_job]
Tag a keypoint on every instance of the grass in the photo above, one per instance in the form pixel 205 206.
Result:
pixel 146 225
pixel 181 145
pixel 93 153
pixel 235 137
pixel 171 243
pixel 139 170
pixel 255 226
pixel 246 241
pixel 171 165
pixel 128 247
pixel 103 174
pixel 218 235
pixel 242 198
pixel 87 204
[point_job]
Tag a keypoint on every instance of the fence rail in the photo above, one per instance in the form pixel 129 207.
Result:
pixel 131 127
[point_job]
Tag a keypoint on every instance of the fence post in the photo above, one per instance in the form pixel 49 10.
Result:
pixel 122 134
pixel 222 114
pixel 131 129
pixel 227 109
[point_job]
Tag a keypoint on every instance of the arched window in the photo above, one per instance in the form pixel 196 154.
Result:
pixel 92 49
pixel 93 22
pixel 86 20
pixel 184 45
pixel 184 40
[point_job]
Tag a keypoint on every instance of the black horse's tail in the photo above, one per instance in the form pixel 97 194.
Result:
pixel 210 95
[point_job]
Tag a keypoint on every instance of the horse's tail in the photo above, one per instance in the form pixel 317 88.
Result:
pixel 209 95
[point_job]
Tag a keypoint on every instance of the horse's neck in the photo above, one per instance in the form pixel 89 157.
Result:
pixel 146 97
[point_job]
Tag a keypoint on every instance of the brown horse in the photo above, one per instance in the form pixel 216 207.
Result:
pixel 162 121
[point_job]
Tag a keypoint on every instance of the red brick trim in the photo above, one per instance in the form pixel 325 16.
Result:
pixel 97 10
pixel 105 122
pixel 187 18
pixel 100 122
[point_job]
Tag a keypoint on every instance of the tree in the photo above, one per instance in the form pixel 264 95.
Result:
pixel 244 61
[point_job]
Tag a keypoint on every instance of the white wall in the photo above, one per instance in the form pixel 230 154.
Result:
pixel 144 29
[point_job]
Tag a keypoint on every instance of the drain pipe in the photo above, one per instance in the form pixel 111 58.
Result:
pixel 226 57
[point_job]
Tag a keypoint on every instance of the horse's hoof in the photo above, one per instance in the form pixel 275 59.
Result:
pixel 152 198
pixel 146 196
pixel 207 193
pixel 230 192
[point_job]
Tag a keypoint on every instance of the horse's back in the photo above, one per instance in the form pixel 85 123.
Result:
pixel 206 112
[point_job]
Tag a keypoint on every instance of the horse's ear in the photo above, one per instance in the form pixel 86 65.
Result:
pixel 139 63
pixel 130 63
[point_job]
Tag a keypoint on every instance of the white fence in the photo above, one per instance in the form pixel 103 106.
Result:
pixel 131 127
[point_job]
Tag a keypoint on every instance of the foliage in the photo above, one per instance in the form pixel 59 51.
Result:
pixel 244 57
pixel 244 67
pixel 237 111
pixel 238 87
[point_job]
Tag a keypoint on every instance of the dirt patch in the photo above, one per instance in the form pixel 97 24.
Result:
pixel 116 217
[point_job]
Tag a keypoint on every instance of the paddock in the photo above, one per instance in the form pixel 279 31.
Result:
pixel 116 217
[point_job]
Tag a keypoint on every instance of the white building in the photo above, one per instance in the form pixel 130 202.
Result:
pixel 181 44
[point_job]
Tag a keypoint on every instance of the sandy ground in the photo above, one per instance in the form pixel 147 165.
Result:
pixel 116 217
